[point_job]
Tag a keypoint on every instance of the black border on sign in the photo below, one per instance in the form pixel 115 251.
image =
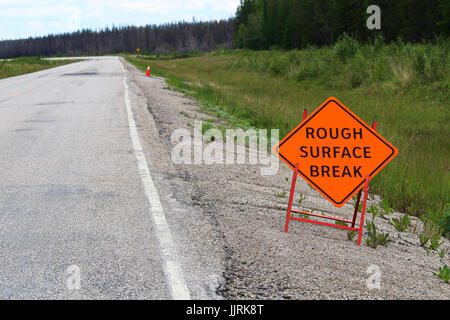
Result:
pixel 362 123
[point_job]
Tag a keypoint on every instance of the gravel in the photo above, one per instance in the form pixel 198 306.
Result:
pixel 237 224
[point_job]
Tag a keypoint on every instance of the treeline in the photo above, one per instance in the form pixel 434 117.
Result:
pixel 289 24
pixel 181 37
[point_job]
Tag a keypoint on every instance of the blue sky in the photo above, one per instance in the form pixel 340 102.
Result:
pixel 24 18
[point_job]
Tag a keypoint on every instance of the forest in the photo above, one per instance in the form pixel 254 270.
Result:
pixel 258 24
pixel 295 24
pixel 181 37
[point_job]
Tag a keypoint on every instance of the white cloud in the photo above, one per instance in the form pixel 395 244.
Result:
pixel 23 18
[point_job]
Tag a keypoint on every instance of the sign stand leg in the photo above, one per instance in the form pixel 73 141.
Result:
pixel 356 208
pixel 290 210
pixel 363 211
pixel 374 126
pixel 291 197
pixel 294 180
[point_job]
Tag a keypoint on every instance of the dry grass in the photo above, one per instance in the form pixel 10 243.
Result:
pixel 18 66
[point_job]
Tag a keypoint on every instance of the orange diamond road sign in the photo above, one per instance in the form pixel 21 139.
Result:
pixel 335 151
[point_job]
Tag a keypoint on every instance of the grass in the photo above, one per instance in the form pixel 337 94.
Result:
pixel 18 66
pixel 435 244
pixel 442 253
pixel 401 224
pixel 405 87
pixel 301 198
pixel 444 273
pixel 374 239
pixel 281 194
pixel 351 235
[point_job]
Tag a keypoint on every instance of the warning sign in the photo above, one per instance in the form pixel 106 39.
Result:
pixel 335 151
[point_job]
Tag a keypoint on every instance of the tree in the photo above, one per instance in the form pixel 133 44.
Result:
pixel 298 23
pixel 182 37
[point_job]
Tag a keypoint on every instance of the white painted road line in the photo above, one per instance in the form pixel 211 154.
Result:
pixel 177 286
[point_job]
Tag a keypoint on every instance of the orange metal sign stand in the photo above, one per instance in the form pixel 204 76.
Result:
pixel 289 217
pixel 337 154
pixel 361 224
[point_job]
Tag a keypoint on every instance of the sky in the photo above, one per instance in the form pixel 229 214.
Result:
pixel 25 18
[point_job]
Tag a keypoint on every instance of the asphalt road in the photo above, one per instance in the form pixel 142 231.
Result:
pixel 93 207
pixel 75 216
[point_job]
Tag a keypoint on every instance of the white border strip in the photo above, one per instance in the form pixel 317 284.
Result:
pixel 172 269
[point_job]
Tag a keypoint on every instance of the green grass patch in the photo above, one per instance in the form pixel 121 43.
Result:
pixel 404 87
pixel 22 65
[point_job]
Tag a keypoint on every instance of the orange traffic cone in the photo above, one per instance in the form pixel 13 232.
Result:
pixel 148 72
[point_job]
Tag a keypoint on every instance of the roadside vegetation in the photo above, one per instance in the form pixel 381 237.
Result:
pixel 18 66
pixel 444 273
pixel 405 87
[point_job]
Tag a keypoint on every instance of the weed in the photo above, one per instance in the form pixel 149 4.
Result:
pixel 374 210
pixel 206 127
pixel 414 228
pixel 401 224
pixel 444 221
pixel 304 216
pixel 435 244
pixel 301 198
pixel 210 134
pixel 423 238
pixel 374 238
pixel 209 120
pixel 360 207
pixel 184 114
pixel 442 253
pixel 340 223
pixel 281 194
pixel 387 210
pixel 430 228
pixel 444 273
pixel 351 234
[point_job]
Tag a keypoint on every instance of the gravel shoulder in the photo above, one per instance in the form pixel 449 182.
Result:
pixel 240 249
